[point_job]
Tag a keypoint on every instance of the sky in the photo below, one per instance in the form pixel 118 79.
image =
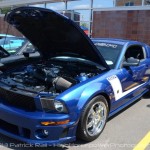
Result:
pixel 80 4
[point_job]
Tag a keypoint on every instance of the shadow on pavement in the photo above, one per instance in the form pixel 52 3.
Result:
pixel 124 109
pixel 147 96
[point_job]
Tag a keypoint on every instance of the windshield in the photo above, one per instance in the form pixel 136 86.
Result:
pixel 12 44
pixel 77 60
pixel 110 52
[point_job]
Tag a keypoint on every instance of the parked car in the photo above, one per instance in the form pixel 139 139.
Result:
pixel 26 48
pixel 12 44
pixel 75 85
pixel 16 45
pixel 85 29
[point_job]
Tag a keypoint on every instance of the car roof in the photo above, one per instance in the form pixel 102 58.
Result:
pixel 6 35
pixel 112 40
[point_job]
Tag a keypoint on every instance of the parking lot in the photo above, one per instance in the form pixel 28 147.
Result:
pixel 122 132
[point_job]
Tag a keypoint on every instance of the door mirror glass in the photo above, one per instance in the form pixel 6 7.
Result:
pixel 131 62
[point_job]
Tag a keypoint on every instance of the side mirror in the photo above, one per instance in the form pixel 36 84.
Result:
pixel 30 50
pixel 131 62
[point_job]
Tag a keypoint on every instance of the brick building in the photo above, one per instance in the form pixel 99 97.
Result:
pixel 123 22
pixel 113 22
pixel 5 28
pixel 132 2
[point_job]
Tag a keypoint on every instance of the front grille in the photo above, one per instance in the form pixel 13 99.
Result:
pixel 9 127
pixel 17 99
pixel 26 133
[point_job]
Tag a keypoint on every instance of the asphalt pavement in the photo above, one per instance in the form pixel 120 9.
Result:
pixel 124 131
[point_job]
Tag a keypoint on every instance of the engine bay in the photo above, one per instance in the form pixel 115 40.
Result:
pixel 54 77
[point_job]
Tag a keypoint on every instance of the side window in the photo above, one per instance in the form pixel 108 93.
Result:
pixel 6 41
pixel 137 52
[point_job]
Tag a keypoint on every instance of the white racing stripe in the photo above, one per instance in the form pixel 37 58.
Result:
pixel 117 87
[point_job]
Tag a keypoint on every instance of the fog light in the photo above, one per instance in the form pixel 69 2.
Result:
pixel 41 133
pixel 45 132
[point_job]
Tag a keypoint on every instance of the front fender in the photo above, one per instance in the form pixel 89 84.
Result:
pixel 78 99
pixel 90 92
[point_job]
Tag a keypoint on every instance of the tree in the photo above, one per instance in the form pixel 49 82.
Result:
pixel 5 10
pixel 84 24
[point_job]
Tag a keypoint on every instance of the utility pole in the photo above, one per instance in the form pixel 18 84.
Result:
pixel 91 18
pixel 45 5
pixel 142 2
pixel 114 3
pixel 65 1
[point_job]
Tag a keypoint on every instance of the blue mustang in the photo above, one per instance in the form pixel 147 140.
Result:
pixel 74 86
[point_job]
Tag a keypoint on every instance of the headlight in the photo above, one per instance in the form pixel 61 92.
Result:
pixel 59 106
pixel 51 105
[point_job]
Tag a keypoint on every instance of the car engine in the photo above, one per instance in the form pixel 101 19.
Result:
pixel 43 77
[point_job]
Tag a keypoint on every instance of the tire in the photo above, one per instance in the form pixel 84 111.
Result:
pixel 93 119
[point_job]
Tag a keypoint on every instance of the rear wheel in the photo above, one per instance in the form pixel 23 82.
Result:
pixel 93 119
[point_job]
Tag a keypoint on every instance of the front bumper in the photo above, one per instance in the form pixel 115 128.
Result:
pixel 24 126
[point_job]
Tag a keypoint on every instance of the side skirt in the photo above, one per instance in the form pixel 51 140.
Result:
pixel 127 104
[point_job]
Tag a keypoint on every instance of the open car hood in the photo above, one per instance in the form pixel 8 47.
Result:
pixel 54 34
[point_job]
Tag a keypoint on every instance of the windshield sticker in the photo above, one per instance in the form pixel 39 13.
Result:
pixel 106 45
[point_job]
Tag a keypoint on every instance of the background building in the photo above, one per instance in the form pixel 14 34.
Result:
pixel 107 19
pixel 132 2
pixel 79 11
pixel 125 23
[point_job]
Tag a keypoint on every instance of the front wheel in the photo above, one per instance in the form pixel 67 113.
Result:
pixel 93 119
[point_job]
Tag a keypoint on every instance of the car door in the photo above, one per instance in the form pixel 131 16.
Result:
pixel 132 78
